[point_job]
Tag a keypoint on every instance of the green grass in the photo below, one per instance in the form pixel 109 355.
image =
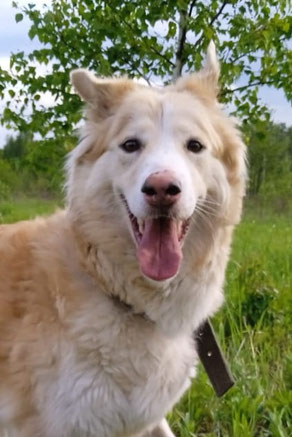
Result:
pixel 26 208
pixel 255 331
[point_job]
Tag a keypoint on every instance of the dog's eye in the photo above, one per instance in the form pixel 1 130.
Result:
pixel 131 145
pixel 194 146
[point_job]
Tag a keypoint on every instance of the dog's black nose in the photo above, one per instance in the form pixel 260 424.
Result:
pixel 161 189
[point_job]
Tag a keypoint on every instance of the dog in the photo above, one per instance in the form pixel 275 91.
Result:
pixel 99 302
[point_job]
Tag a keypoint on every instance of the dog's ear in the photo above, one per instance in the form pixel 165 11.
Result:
pixel 205 81
pixel 211 69
pixel 102 94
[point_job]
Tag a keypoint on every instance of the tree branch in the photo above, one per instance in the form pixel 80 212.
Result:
pixel 183 19
pixel 161 55
pixel 218 13
pixel 180 45
pixel 241 88
pixel 192 7
pixel 145 43
pixel 213 19
pixel 139 72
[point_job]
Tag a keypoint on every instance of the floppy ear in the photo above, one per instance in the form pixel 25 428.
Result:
pixel 205 81
pixel 103 95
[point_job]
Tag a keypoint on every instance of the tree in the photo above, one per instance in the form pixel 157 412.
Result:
pixel 31 166
pixel 270 160
pixel 153 40
pixel 15 148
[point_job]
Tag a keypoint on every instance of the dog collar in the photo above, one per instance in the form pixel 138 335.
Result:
pixel 213 359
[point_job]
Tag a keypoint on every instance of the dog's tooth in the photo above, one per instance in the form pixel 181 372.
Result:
pixel 141 225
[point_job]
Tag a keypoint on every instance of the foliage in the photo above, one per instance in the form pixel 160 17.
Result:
pixel 270 158
pixel 8 179
pixel 153 40
pixel 15 148
pixel 31 167
pixel 5 192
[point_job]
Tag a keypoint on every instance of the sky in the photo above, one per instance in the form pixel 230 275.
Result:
pixel 13 38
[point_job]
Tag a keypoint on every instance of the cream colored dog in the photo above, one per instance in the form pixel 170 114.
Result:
pixel 98 303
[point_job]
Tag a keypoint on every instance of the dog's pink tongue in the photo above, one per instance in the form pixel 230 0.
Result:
pixel 159 252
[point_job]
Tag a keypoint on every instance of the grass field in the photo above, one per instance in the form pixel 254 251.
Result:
pixel 255 331
pixel 24 209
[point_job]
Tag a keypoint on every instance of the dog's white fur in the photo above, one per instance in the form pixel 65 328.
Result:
pixel 89 346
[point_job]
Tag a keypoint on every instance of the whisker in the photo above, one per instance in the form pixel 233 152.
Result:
pixel 210 201
pixel 207 213
pixel 207 210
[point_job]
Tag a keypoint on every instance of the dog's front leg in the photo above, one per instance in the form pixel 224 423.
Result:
pixel 160 430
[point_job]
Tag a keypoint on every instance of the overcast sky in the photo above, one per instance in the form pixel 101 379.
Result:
pixel 13 37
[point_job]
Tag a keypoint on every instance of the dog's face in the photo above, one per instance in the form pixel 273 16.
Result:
pixel 160 167
pixel 162 157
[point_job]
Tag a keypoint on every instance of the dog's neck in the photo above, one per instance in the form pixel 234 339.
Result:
pixel 128 308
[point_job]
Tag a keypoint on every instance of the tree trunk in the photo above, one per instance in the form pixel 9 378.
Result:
pixel 180 45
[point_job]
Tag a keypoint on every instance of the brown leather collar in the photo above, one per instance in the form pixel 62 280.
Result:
pixel 213 359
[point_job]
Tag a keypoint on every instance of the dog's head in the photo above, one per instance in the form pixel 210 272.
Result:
pixel 154 162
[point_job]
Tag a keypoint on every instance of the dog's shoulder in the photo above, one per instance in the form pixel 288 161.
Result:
pixel 22 247
pixel 18 236
pixel 15 244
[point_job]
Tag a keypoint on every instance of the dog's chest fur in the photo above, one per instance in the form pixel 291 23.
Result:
pixel 117 385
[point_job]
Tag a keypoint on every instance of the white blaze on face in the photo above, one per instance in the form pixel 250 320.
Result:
pixel 165 150
pixel 164 141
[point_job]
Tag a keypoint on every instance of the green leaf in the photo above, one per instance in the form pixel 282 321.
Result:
pixel 18 17
pixel 171 29
pixel 139 39
pixel 32 32
pixel 286 26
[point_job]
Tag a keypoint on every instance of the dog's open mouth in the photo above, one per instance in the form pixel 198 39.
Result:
pixel 159 242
